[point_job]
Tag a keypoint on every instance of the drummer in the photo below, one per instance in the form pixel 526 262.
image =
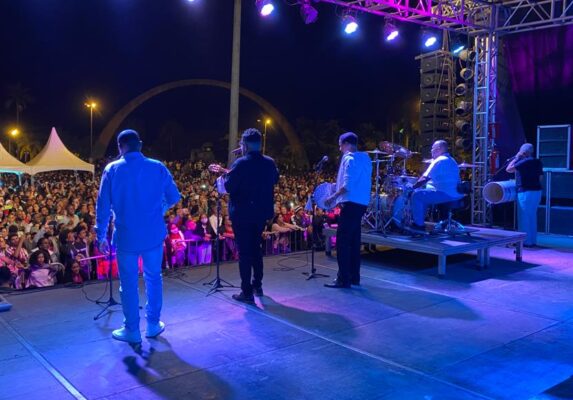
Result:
pixel 441 181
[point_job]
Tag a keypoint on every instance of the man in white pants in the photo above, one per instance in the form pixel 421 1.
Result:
pixel 138 191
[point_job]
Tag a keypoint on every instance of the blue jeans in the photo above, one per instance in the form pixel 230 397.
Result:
pixel 422 198
pixel 129 287
pixel 527 203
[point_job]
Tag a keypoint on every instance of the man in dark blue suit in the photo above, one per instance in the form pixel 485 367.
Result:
pixel 250 184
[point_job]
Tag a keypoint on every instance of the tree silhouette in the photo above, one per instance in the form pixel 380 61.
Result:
pixel 18 98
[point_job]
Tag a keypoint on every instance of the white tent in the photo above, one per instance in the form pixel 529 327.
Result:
pixel 56 157
pixel 10 164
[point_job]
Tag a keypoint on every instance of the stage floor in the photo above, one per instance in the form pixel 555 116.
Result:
pixel 502 333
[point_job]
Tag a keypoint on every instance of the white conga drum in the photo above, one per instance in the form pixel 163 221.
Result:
pixel 500 192
pixel 322 193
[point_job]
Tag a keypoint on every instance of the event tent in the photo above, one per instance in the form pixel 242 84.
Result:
pixel 56 157
pixel 10 164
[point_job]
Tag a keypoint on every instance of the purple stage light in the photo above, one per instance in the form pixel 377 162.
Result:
pixel 308 13
pixel 392 35
pixel 390 31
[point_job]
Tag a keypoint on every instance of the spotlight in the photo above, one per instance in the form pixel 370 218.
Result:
pixel 467 73
pixel 467 55
pixel 350 24
pixel 390 31
pixel 463 107
pixel 463 125
pixel 308 13
pixel 265 7
pixel 457 49
pixel 461 89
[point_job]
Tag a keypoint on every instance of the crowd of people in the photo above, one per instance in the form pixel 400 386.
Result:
pixel 47 227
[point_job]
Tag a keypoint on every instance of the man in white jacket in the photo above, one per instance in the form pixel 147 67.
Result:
pixel 353 191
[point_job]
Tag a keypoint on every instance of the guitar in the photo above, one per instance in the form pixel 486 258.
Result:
pixel 217 169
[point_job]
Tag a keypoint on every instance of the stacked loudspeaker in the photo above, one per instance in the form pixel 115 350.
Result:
pixel 463 102
pixel 436 99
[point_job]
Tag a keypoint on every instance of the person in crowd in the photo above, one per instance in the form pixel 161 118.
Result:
pixel 283 231
pixel 139 191
pixel 353 190
pixel 301 220
pixel 205 232
pixel 192 241
pixel 5 278
pixel 528 171
pixel 227 237
pixel 177 246
pixel 75 274
pixel 250 184
pixel 40 272
pixel 318 223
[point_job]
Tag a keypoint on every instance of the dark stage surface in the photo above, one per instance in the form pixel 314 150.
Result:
pixel 503 333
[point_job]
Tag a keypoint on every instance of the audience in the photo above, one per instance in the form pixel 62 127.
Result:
pixel 49 222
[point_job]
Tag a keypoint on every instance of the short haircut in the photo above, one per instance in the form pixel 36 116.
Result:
pixel 348 137
pixel 251 135
pixel 442 144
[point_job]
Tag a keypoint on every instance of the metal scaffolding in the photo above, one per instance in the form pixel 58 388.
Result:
pixel 486 21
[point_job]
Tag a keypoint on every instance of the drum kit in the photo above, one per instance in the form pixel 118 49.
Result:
pixel 389 206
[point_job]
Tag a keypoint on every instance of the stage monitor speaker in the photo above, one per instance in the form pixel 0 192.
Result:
pixel 554 147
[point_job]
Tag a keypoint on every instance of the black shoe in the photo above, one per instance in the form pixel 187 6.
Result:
pixel 355 282
pixel 337 285
pixel 258 291
pixel 243 298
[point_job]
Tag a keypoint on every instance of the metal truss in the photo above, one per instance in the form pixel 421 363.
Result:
pixel 484 126
pixel 470 16
pixel 456 15
pixel 513 16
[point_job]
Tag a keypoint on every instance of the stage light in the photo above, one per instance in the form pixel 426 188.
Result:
pixel 463 107
pixel 430 41
pixel 308 13
pixel 468 55
pixel 461 89
pixel 390 31
pixel 265 7
pixel 350 24
pixel 458 49
pixel 467 73
pixel 463 125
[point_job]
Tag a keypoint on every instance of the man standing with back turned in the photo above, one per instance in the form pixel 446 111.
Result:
pixel 138 191
pixel 250 184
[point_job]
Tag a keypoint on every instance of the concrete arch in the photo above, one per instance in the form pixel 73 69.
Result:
pixel 113 125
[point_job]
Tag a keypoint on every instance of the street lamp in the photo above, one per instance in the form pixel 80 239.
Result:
pixel 13 133
pixel 267 122
pixel 92 106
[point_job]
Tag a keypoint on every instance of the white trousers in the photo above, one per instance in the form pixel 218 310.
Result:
pixel 129 285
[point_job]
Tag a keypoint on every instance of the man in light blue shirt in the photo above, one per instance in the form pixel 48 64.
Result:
pixel 353 190
pixel 137 191
pixel 441 180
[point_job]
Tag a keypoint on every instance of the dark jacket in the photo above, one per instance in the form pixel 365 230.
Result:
pixel 250 184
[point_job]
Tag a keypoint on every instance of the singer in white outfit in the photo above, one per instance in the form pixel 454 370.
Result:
pixel 138 191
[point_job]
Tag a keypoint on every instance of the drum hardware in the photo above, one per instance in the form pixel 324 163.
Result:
pixel 466 165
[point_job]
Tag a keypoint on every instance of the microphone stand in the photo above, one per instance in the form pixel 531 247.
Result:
pixel 110 301
pixel 313 274
pixel 218 283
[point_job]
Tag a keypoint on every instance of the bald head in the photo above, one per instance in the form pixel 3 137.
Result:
pixel 439 148
pixel 526 149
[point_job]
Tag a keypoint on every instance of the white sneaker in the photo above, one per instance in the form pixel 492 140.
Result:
pixel 154 330
pixel 124 335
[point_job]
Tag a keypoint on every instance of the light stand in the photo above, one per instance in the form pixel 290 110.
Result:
pixel 313 274
pixel 218 283
pixel 111 301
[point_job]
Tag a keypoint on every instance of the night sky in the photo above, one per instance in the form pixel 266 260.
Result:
pixel 113 50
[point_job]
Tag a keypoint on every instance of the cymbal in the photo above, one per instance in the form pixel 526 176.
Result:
pixel 396 149
pixel 466 165
pixel 376 151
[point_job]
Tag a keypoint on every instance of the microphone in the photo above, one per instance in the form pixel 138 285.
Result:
pixel 321 163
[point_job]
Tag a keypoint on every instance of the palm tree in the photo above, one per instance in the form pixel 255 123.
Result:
pixel 19 98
